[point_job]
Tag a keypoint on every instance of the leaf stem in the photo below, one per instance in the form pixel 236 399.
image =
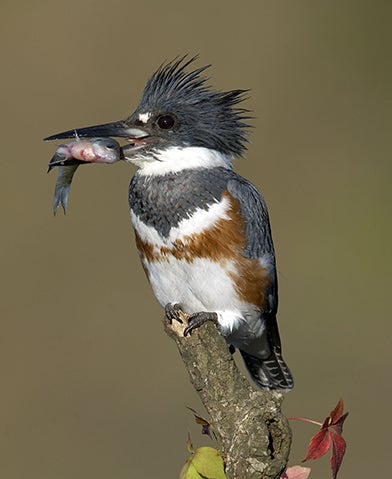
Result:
pixel 305 419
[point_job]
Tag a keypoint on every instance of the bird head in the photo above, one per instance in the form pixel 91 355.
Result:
pixel 177 112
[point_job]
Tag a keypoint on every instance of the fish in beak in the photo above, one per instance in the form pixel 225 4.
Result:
pixel 138 136
pixel 69 156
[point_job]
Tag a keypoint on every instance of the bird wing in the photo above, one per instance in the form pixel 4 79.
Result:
pixel 259 243
pixel 255 214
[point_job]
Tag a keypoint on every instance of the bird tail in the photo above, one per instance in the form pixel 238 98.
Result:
pixel 270 373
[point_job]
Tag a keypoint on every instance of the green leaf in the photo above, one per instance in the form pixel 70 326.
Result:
pixel 205 463
pixel 189 471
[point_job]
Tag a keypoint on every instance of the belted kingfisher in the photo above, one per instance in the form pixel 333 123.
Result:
pixel 202 231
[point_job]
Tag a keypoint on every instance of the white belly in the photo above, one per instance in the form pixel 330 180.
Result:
pixel 205 286
pixel 198 286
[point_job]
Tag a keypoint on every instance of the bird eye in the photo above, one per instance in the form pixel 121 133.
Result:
pixel 165 122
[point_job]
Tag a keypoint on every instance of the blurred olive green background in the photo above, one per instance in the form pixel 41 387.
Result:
pixel 91 387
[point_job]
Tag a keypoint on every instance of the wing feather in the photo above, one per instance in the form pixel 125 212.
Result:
pixel 259 243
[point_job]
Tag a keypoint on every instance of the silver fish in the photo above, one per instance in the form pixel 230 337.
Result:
pixel 68 157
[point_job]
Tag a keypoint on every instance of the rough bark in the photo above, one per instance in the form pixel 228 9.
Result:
pixel 254 434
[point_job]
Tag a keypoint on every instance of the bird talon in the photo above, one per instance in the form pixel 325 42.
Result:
pixel 172 312
pixel 198 319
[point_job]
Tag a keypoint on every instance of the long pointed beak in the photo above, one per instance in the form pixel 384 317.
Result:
pixel 118 129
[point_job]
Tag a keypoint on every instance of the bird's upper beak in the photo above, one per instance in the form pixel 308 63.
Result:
pixel 120 129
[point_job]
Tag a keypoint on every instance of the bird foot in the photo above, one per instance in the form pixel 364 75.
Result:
pixel 195 320
pixel 173 312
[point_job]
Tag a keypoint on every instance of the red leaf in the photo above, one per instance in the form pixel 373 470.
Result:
pixel 338 425
pixel 338 450
pixel 330 436
pixel 318 445
pixel 336 414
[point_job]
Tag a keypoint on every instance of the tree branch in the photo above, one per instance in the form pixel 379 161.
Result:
pixel 254 434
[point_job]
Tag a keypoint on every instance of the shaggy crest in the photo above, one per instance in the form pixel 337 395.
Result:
pixel 210 118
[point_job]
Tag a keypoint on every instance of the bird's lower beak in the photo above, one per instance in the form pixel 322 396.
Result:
pixel 118 129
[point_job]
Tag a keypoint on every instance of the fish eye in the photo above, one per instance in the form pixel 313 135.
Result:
pixel 166 122
pixel 111 145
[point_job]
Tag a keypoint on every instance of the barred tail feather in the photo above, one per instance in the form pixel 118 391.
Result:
pixel 270 373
